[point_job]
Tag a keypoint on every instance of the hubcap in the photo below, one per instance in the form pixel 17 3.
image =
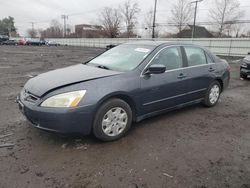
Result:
pixel 114 121
pixel 214 94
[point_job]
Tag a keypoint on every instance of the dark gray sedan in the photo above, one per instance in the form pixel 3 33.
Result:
pixel 127 83
pixel 245 67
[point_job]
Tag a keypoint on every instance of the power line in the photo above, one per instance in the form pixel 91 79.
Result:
pixel 95 10
pixel 205 23
pixel 158 13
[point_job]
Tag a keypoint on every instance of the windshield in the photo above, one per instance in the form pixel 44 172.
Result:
pixel 122 58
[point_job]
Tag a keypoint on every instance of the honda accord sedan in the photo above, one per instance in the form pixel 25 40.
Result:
pixel 125 84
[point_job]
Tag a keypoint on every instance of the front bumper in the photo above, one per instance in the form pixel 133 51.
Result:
pixel 66 121
pixel 244 71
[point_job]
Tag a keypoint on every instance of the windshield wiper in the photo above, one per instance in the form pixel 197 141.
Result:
pixel 103 67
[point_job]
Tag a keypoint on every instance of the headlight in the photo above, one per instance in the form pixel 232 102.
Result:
pixel 64 100
pixel 244 65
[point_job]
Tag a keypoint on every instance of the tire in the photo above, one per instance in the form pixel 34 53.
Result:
pixel 211 99
pixel 113 120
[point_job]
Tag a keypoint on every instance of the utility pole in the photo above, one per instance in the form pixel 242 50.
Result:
pixel 153 31
pixel 64 17
pixel 195 11
pixel 32 28
pixel 32 25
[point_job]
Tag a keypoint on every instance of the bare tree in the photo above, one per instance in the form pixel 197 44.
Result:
pixel 182 13
pixel 129 11
pixel 54 31
pixel 224 13
pixel 68 30
pixel 32 33
pixel 237 30
pixel 40 33
pixel 56 28
pixel 111 20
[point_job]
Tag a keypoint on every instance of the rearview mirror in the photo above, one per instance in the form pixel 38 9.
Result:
pixel 156 69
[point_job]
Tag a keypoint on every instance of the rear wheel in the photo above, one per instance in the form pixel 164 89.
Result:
pixel 213 94
pixel 113 119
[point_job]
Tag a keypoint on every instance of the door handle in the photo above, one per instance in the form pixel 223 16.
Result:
pixel 211 69
pixel 181 76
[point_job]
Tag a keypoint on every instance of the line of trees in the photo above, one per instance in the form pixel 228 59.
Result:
pixel 223 16
pixel 54 31
pixel 116 22
pixel 122 21
pixel 7 27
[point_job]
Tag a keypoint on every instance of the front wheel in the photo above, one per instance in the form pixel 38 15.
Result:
pixel 113 119
pixel 213 94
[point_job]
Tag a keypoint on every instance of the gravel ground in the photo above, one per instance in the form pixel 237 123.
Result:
pixel 192 147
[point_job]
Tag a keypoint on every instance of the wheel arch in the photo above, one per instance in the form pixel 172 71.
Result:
pixel 123 96
pixel 221 83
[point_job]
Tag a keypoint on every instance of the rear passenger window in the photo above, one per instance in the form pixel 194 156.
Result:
pixel 195 56
pixel 170 57
pixel 209 60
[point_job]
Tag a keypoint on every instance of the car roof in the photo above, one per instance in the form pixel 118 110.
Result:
pixel 158 43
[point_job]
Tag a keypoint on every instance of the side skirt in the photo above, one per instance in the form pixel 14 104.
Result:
pixel 139 118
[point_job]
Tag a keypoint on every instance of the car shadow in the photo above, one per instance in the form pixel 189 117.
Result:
pixel 245 79
pixel 91 140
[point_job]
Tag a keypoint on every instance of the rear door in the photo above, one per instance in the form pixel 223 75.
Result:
pixel 161 91
pixel 200 70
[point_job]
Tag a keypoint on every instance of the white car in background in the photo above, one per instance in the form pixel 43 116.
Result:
pixel 52 43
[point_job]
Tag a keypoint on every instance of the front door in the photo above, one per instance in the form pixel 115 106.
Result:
pixel 162 91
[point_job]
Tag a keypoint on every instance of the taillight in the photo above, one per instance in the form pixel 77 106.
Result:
pixel 228 68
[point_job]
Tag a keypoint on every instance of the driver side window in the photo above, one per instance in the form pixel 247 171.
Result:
pixel 170 57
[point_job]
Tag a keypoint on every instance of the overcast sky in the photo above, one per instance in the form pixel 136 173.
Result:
pixel 86 11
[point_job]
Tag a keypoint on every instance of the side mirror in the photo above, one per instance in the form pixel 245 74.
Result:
pixel 156 69
pixel 108 47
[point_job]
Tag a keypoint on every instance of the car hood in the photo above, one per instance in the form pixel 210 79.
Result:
pixel 247 58
pixel 46 82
